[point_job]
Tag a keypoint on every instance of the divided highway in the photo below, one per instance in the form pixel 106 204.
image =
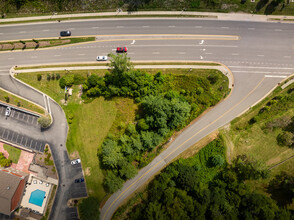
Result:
pixel 260 55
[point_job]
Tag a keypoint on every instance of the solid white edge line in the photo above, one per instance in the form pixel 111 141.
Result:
pixel 273 76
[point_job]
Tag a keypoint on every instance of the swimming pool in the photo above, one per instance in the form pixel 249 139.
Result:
pixel 37 197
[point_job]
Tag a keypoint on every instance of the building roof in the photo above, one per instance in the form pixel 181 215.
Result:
pixel 9 184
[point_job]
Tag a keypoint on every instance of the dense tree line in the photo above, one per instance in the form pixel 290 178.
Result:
pixel 182 192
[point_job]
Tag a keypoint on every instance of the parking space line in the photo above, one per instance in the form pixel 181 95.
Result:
pixel 31 143
pixel 26 141
pixel 20 114
pixel 12 113
pixel 25 117
pixel 1 110
pixel 2 129
pixel 4 136
pixel 9 135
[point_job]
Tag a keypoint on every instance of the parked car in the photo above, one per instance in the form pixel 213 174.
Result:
pixel 7 111
pixel 76 161
pixel 80 180
pixel 101 58
pixel 65 33
pixel 121 49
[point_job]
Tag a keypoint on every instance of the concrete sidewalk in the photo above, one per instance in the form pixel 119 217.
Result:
pixel 200 15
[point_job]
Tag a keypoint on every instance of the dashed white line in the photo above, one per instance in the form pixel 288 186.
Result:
pixel 260 55
pixel 155 53
pixel 273 76
pixel 46 30
pixel 278 30
pixel 225 27
pixel 182 52
pixel 287 56
pixel 235 54
pixel 33 56
pixel 22 32
pixel 145 26
pixel 198 26
pixel 81 54
pixel 171 26
pixel 95 27
pixel 208 53
pixel 1 33
pixel 10 58
pixel 71 29
pixel 119 26
pixel 251 29
pixel 57 55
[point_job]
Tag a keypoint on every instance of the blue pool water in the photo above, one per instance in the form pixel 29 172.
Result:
pixel 37 197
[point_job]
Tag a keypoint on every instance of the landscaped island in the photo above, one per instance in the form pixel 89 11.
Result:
pixel 126 114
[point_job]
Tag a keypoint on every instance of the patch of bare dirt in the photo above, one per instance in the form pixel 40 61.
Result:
pixel 88 171
pixel 44 43
pixel 74 155
pixel 274 160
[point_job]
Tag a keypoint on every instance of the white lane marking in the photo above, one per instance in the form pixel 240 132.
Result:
pixel 225 27
pixel 182 52
pixel 260 55
pixel 81 54
pixel 10 58
pixel 95 27
pixel 57 55
pixel 235 54
pixel 145 26
pixel 1 33
pixel 287 56
pixel 273 76
pixel 201 57
pixel 198 26
pixel 261 67
pixel 197 45
pixel 155 53
pixel 203 49
pixel 251 29
pixel 71 29
pixel 131 53
pixel 33 56
pixel 208 53
pixel 113 49
pixel 278 30
pixel 46 30
pixel 264 72
pixel 22 32
pixel 119 26
pixel 133 42
pixel 202 41
pixel 171 26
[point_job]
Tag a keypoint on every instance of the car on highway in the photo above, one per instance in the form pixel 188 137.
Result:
pixel 7 111
pixel 76 161
pixel 80 180
pixel 65 33
pixel 101 58
pixel 121 49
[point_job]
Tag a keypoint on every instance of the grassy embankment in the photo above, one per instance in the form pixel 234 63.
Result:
pixel 14 153
pixel 89 123
pixel 13 100
pixel 41 43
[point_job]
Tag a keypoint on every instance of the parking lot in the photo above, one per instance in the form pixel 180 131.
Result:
pixel 21 116
pixel 22 140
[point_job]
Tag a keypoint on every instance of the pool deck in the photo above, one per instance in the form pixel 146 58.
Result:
pixel 35 183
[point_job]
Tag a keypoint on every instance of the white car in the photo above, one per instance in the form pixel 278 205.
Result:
pixel 76 161
pixel 7 111
pixel 101 58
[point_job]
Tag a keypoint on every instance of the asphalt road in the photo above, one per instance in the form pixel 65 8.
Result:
pixel 261 58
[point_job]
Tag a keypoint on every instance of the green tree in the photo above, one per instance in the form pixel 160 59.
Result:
pixel 286 138
pixel 67 80
pixel 4 162
pixel 112 183
pixel 48 77
pixel 127 170
pixel 111 153
pixel 44 121
pixel 120 64
pixel 217 160
pixel 39 77
pixel 89 209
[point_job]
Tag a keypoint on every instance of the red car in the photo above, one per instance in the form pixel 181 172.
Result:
pixel 121 49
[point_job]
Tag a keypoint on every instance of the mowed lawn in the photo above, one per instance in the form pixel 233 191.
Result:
pixel 90 125
pixel 14 153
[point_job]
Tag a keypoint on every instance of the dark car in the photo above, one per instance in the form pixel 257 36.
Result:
pixel 65 33
pixel 80 180
pixel 121 49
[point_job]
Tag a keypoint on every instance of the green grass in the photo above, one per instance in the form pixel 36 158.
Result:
pixel 259 143
pixel 106 64
pixel 53 42
pixel 14 153
pixel 90 123
pixel 14 100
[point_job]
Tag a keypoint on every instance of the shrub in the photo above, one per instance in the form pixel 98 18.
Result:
pixel 48 77
pixel 286 138
pixel 44 121
pixel 67 80
pixel 57 76
pixel 53 76
pixel 6 98
pixel 89 209
pixel 39 77
pixel 217 160
pixel 112 183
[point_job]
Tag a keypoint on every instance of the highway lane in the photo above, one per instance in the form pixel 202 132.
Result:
pixel 263 49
